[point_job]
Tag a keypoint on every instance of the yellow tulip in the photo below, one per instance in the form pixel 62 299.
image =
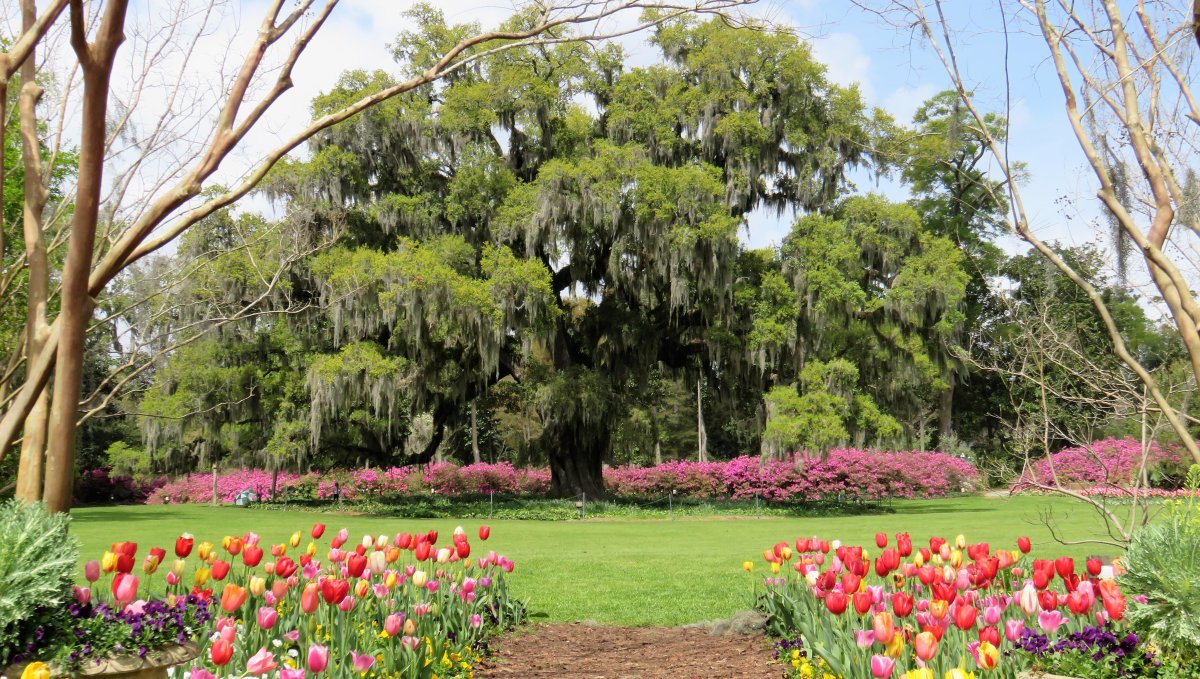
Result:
pixel 922 673
pixel 418 578
pixel 989 656
pixel 311 550
pixel 895 647
pixel 201 576
pixel 389 580
pixel 204 550
pixel 747 566
pixel 959 674
pixel 178 567
pixel 295 539
pixel 258 586
pixel 956 558
pixel 919 560
pixel 960 541
pixel 361 588
pixel 36 670
pixel 108 562
pixel 775 567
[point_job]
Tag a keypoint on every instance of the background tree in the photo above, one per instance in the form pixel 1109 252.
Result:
pixel 97 252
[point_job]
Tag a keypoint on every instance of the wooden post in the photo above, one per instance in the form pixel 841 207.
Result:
pixel 214 470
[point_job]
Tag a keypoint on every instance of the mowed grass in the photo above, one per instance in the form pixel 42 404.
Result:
pixel 624 572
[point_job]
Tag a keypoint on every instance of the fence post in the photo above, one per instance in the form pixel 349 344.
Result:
pixel 491 502
pixel 671 506
pixel 214 472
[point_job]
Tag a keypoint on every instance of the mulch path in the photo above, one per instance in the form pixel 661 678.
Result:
pixel 591 651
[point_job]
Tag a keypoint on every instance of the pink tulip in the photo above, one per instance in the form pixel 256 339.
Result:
pixel 1013 629
pixel 318 658
pixel 864 637
pixel 124 587
pixel 91 570
pixel 392 624
pixel 882 666
pixel 82 595
pixel 347 604
pixel 261 663
pixel 201 673
pixel 476 620
pixel 362 662
pixel 285 673
pixel 991 615
pixel 294 635
pixel 1050 621
pixel 172 579
pixel 267 616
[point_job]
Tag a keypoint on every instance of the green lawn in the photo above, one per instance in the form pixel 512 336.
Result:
pixel 621 572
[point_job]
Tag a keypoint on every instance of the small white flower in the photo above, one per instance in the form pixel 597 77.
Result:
pixel 293 652
pixel 276 643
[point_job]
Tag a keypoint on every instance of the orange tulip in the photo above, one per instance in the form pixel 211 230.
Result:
pixel 925 646
pixel 232 597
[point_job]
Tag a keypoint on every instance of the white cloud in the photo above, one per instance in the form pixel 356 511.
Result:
pixel 903 102
pixel 848 62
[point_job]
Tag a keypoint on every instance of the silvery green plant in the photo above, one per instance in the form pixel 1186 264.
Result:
pixel 37 564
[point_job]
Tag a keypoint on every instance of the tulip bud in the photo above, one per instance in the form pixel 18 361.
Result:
pixel 91 570
pixel 418 578
pixel 257 585
pixel 294 541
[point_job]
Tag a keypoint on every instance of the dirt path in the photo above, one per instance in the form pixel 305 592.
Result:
pixel 596 652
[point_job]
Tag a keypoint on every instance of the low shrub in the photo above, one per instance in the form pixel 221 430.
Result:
pixel 1111 463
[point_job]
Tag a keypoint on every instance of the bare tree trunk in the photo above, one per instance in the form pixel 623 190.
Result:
pixel 701 431
pixel 33 444
pixel 96 60
pixel 945 414
pixel 474 435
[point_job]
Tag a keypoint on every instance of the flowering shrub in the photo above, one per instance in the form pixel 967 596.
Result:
pixel 403 605
pixel 945 610
pixel 845 474
pixel 101 485
pixel 1111 463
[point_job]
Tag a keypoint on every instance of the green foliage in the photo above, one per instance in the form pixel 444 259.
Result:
pixel 37 564
pixel 126 460
pixel 1161 566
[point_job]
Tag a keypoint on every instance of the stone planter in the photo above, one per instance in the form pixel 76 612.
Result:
pixel 130 666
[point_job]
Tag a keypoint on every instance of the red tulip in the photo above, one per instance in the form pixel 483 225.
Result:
pixel 1077 603
pixel 422 551
pixel 1048 600
pixel 935 543
pixel 862 602
pixel 284 567
pixel 129 548
pixel 405 541
pixel 464 549
pixel 251 555
pixel 432 537
pixel 485 531
pixel 183 545
pixel 158 553
pixel 824 546
pixel 318 530
pixel 904 544
pixel 850 582
pixel 124 562
pixel 836 601
pixel 1094 566
pixel 355 565
pixel 964 616
pixel 232 597
pixel 902 604
pixel 990 634
pixel 334 590
pixel 220 569
pixel 221 651
pixel 881 540
pixel 1065 566
pixel 1040 579
pixel 1024 544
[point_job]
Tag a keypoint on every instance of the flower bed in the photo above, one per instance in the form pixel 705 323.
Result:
pixel 947 610
pixel 845 474
pixel 388 606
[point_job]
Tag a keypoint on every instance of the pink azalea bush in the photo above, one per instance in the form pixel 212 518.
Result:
pixel 1110 463
pixel 844 474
